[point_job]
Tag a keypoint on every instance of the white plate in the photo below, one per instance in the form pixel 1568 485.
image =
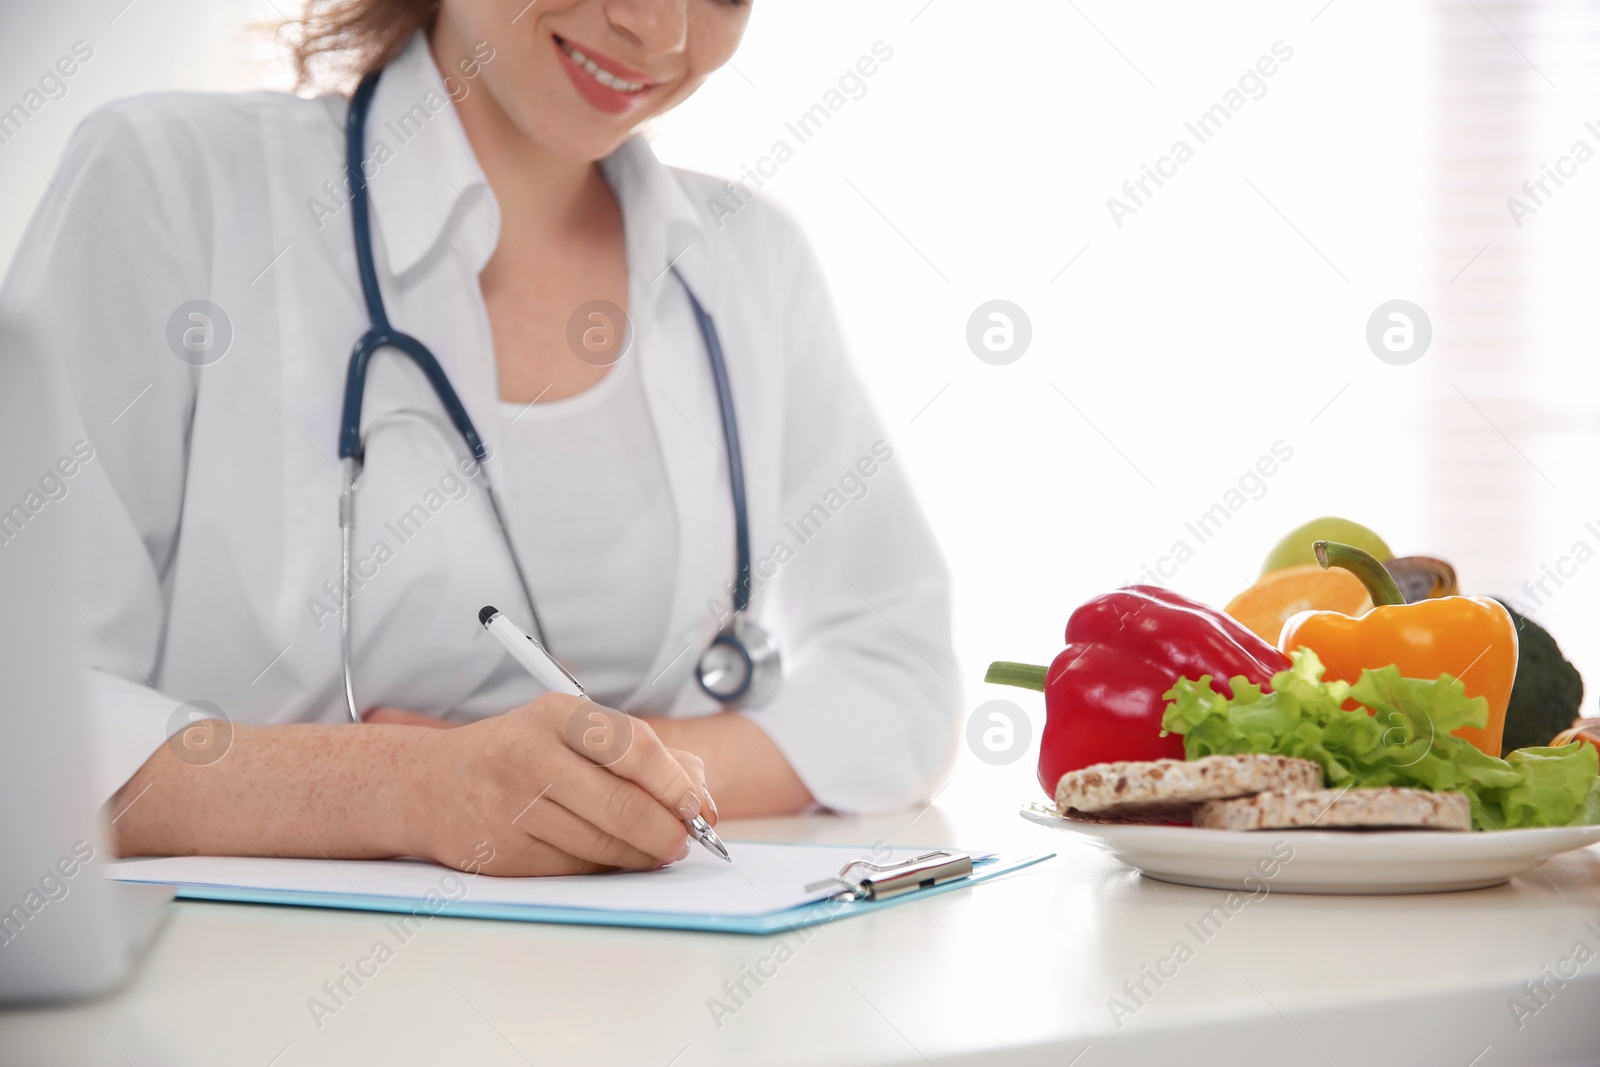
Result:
pixel 1324 861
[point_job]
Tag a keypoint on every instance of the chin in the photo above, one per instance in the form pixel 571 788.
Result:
pixel 575 142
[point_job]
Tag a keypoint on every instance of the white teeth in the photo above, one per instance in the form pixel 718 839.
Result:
pixel 603 77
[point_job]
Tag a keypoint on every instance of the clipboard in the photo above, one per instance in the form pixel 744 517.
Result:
pixel 904 872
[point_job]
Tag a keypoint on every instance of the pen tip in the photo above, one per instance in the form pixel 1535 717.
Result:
pixel 707 836
pixel 487 613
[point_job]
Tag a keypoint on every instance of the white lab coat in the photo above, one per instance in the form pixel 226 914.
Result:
pixel 210 499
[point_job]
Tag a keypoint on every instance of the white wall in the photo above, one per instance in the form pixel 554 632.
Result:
pixel 1227 314
pixel 136 47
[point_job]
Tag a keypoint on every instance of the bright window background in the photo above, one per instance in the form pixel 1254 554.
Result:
pixel 1169 354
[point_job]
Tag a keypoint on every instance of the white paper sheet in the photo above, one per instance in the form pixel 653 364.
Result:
pixel 763 879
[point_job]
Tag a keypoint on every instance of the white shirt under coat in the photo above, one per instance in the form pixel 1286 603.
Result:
pixel 594 524
pixel 211 502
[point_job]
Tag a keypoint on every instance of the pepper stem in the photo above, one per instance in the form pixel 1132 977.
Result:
pixel 1024 675
pixel 1379 582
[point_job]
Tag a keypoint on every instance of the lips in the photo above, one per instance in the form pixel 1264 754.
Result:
pixel 603 82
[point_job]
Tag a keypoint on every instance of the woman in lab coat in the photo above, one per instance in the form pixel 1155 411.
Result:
pixel 508 188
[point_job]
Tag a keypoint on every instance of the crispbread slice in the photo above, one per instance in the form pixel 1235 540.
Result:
pixel 1168 789
pixel 1388 807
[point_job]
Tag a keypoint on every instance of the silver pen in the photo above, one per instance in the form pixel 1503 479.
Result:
pixel 537 661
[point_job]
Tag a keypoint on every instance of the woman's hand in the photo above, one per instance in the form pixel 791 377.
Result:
pixel 754 779
pixel 561 785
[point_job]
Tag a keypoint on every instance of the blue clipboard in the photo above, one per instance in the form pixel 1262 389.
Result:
pixel 814 913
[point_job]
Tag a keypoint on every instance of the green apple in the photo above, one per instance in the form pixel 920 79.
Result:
pixel 1295 548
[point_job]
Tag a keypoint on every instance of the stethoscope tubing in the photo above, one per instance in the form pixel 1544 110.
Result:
pixel 735 457
pixel 378 336
pixel 381 334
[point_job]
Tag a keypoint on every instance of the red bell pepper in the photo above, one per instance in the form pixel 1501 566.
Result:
pixel 1104 694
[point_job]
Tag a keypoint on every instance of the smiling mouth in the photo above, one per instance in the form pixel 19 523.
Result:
pixel 599 74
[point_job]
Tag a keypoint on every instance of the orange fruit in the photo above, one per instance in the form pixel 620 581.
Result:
pixel 1268 604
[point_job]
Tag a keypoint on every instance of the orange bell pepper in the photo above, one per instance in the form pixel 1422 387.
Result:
pixel 1471 639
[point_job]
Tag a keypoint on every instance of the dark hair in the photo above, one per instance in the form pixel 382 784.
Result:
pixel 350 38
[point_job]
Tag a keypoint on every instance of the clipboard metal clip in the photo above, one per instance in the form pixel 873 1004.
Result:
pixel 863 880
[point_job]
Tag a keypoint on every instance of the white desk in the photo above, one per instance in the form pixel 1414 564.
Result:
pixel 1016 972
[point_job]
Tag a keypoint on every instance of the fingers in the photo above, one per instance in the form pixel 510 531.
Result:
pixel 528 857
pixel 617 807
pixel 625 795
pixel 581 818
pixel 696 769
pixel 554 824
pixel 642 759
pixel 628 748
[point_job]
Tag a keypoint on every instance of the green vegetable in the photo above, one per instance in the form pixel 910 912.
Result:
pixel 1548 692
pixel 1407 742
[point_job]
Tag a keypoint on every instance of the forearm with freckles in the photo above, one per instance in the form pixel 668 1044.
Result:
pixel 292 790
pixel 746 774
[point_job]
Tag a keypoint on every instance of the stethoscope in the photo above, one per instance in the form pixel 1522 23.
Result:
pixel 741 665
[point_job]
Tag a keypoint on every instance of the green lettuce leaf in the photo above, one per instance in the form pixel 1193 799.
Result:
pixel 1407 741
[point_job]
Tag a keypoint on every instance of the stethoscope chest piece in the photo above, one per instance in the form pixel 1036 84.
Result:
pixel 741 665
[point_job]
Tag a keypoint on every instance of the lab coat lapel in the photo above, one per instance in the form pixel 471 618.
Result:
pixel 756 382
pixel 682 399
pixel 431 202
pixel 664 243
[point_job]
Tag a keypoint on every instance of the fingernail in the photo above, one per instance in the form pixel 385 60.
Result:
pixel 683 851
pixel 712 804
pixel 689 806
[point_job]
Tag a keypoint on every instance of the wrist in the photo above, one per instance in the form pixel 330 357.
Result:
pixel 405 801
